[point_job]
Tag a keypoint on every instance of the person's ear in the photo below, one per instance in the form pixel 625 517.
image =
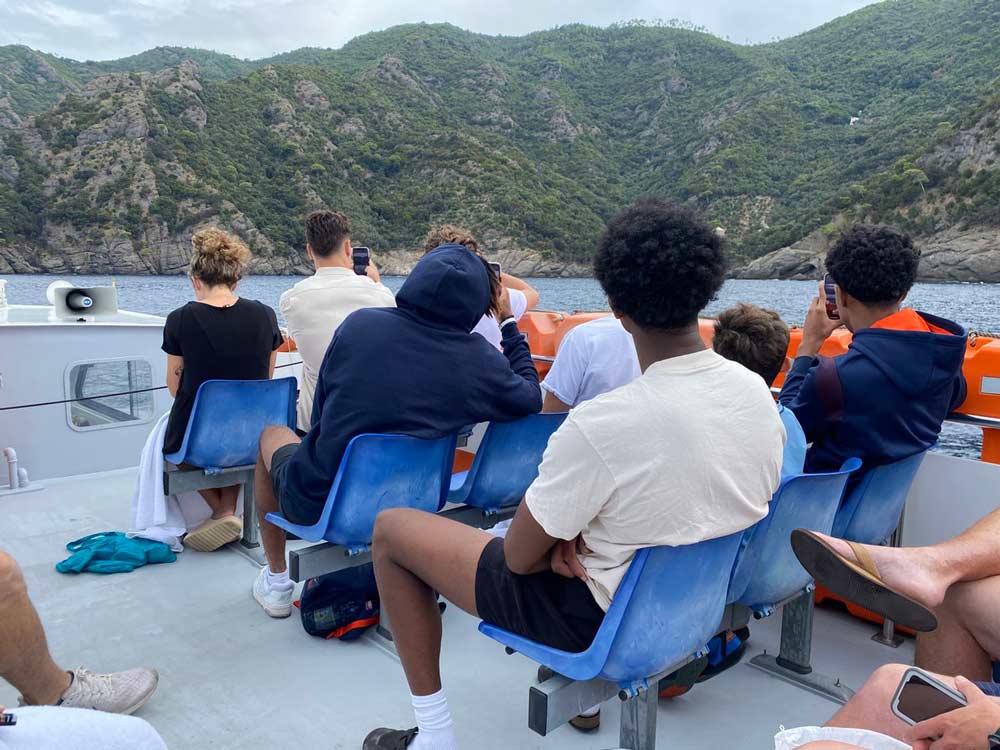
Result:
pixel 347 249
pixel 786 365
pixel 309 252
pixel 903 298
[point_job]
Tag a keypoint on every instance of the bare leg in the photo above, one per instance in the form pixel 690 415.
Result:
pixel 25 661
pixel 272 537
pixel 926 573
pixel 968 634
pixel 870 707
pixel 228 497
pixel 416 554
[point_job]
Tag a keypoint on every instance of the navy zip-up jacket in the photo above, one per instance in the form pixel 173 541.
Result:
pixel 415 369
pixel 896 387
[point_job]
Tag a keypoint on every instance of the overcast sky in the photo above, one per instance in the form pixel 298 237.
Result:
pixel 106 29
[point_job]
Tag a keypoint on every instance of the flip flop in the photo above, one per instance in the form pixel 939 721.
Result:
pixel 214 533
pixel 859 582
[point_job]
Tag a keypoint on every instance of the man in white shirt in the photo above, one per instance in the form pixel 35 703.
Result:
pixel 690 451
pixel 593 358
pixel 314 308
pixel 523 296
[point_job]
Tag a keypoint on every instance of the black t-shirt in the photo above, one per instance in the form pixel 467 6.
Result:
pixel 217 343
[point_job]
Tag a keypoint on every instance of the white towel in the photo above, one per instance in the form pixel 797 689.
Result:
pixel 60 728
pixel 157 516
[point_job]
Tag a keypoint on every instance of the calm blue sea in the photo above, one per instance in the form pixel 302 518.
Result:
pixel 977 306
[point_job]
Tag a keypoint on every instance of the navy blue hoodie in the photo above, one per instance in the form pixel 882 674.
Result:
pixel 896 389
pixel 415 369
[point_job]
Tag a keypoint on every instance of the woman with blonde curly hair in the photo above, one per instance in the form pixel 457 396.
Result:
pixel 219 336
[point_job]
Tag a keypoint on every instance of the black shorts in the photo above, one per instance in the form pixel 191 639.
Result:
pixel 544 607
pixel 297 510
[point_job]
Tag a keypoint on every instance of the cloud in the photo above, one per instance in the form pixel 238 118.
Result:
pixel 103 29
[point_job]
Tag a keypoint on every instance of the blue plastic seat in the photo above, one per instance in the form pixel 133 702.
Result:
pixel 506 463
pixel 378 472
pixel 666 609
pixel 767 572
pixel 227 419
pixel 873 508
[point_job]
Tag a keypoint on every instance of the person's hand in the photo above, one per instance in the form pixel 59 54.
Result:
pixel 818 326
pixel 565 559
pixel 964 729
pixel 371 271
pixel 504 304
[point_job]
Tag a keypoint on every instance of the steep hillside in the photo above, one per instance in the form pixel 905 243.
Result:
pixel 534 141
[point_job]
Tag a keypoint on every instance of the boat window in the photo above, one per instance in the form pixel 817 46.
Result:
pixel 105 394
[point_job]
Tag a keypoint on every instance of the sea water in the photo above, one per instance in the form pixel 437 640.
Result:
pixel 977 306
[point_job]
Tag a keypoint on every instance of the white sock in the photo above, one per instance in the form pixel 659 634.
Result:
pixel 434 723
pixel 279 581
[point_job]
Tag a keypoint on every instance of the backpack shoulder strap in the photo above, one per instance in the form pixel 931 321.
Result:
pixel 831 392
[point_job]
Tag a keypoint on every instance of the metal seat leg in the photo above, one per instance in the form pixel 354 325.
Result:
pixel 792 663
pixel 637 730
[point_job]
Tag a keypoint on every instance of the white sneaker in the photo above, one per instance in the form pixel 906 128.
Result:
pixel 116 693
pixel 277 602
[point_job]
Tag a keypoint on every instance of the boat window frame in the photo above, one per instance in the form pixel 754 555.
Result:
pixel 69 394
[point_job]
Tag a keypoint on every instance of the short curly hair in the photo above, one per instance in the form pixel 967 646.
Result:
pixel 875 264
pixel 659 264
pixel 755 337
pixel 449 234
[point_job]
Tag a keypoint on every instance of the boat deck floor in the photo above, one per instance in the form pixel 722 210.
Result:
pixel 233 678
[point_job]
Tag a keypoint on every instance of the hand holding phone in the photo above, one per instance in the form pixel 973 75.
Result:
pixel 496 269
pixel 362 257
pixel 830 289
pixel 920 697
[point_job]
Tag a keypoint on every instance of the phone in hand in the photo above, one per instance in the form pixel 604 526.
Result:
pixel 7 720
pixel 496 268
pixel 362 257
pixel 920 697
pixel 830 287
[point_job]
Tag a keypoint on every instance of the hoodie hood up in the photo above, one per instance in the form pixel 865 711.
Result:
pixel 449 286
pixel 916 362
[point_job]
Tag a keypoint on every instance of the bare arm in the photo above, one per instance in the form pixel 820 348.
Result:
pixel 270 366
pixel 552 404
pixel 529 292
pixel 527 547
pixel 175 366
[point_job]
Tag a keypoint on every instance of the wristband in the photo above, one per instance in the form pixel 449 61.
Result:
pixel 507 322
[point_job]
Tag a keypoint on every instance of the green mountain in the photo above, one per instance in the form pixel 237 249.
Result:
pixel 532 141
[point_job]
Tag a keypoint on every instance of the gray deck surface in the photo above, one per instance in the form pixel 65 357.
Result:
pixel 233 678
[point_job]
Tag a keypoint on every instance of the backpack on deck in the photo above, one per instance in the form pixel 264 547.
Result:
pixel 341 605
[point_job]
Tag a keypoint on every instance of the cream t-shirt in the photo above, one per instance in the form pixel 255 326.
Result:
pixel 689 451
pixel 313 309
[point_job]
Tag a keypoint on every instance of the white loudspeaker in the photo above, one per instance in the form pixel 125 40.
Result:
pixel 70 301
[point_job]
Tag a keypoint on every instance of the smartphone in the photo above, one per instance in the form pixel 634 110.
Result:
pixel 496 268
pixel 830 287
pixel 362 257
pixel 7 720
pixel 920 697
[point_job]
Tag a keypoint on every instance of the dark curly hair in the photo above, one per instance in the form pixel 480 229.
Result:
pixel 755 337
pixel 874 264
pixel 659 264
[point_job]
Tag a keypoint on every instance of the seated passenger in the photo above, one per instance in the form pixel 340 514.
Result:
pixel 758 340
pixel 592 359
pixel 887 397
pixel 52 699
pixel 218 337
pixel 955 585
pixel 523 296
pixel 669 459
pixel 314 308
pixel 413 370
